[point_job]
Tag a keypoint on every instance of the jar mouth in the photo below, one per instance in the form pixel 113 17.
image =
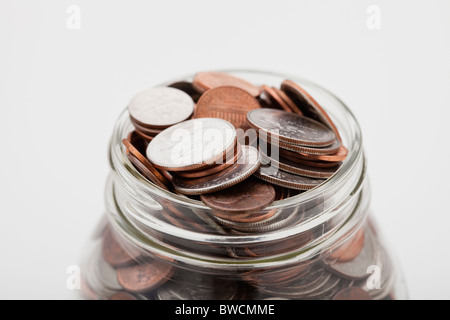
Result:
pixel 330 191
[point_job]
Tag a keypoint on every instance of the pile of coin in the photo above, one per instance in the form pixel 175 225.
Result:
pixel 190 138
pixel 119 272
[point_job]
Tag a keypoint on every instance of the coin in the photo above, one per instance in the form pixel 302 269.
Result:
pixel 248 196
pixel 308 104
pixel 204 81
pixel 297 168
pixel 352 293
pixel 228 103
pixel 246 165
pixel 339 156
pixel 188 88
pixel 349 250
pixel 275 98
pixel 144 277
pixel 145 167
pixel 356 269
pixel 160 107
pixel 286 179
pixel 113 253
pixel 145 130
pixel 192 144
pixel 230 159
pixel 288 101
pixel 309 163
pixel 290 128
pixel 122 296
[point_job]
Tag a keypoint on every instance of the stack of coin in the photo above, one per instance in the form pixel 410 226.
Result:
pixel 156 109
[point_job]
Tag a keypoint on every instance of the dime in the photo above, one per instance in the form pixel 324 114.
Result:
pixel 308 104
pixel 290 128
pixel 144 277
pixel 248 196
pixel 228 103
pixel 352 293
pixel 192 144
pixel 161 107
pixel 113 253
pixel 204 81
pixel 286 179
pixel 241 170
pixel 297 168
pixel 229 160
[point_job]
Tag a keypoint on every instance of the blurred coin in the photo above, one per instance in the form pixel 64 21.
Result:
pixel 352 293
pixel 350 249
pixel 286 179
pixel 192 144
pixel 288 101
pixel 290 128
pixel 228 103
pixel 204 81
pixel 241 170
pixel 161 107
pixel 144 277
pixel 339 156
pixel 357 268
pixel 113 253
pixel 275 98
pixel 248 196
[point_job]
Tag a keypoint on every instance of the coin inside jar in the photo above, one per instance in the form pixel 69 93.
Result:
pixel 160 107
pixel 192 144
pixel 204 81
pixel 247 197
pixel 246 165
pixel 228 103
pixel 290 128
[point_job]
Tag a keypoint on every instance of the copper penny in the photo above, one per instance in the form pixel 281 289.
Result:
pixel 288 101
pixel 246 165
pixel 349 250
pixel 290 128
pixel 228 103
pixel 275 98
pixel 160 107
pixel 122 296
pixel 144 277
pixel 204 81
pixel 329 150
pixel 113 253
pixel 143 170
pixel 144 136
pixel 248 196
pixel 145 166
pixel 311 108
pixel 352 293
pixel 286 179
pixel 138 141
pixel 146 130
pixel 310 163
pixel 230 160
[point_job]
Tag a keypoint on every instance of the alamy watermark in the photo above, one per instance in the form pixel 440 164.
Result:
pixel 73 21
pixel 373 21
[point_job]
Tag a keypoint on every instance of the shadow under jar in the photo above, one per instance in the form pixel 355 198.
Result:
pixel 321 244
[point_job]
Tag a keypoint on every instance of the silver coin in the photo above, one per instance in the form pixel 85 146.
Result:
pixel 161 107
pixel 286 179
pixel 192 144
pixel 356 269
pixel 328 150
pixel 245 166
pixel 297 168
pixel 290 127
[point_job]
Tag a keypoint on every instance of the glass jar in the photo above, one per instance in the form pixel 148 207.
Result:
pixel 320 244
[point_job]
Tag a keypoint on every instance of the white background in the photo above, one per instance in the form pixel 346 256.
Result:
pixel 61 91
